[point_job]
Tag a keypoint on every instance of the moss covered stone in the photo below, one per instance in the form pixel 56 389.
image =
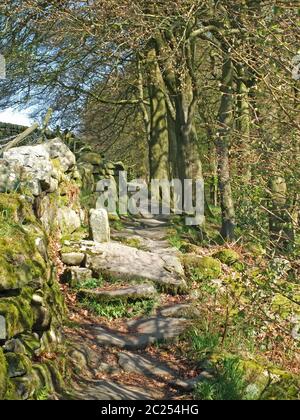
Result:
pixel 269 382
pixel 3 375
pixel 18 364
pixel 202 268
pixel 227 256
pixel 17 313
pixel 92 158
pixel 20 261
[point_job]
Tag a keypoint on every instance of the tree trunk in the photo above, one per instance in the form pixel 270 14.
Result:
pixel 280 221
pixel 159 136
pixel 225 120
pixel 244 127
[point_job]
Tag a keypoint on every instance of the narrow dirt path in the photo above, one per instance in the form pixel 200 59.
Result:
pixel 136 358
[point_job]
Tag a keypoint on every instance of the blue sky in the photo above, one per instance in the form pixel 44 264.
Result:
pixel 15 117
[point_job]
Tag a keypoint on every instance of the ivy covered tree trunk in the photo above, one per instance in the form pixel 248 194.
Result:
pixel 225 121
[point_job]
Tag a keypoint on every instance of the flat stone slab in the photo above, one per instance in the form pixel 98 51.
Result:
pixel 110 390
pixel 159 327
pixel 142 333
pixel 122 261
pixel 134 292
pixel 150 367
pixel 158 246
pixel 131 362
pixel 182 310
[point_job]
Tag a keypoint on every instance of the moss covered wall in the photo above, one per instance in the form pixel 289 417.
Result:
pixel 31 303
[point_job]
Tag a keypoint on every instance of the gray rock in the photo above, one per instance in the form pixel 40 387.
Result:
pixel 99 225
pixel 57 149
pixel 189 385
pixel 128 263
pixel 145 366
pixel 42 318
pixel 161 328
pixel 152 367
pixel 141 291
pixel 73 258
pixel 110 390
pixel 42 248
pixel 10 176
pixel 36 163
pixel 180 311
pixel 3 331
pixel 68 220
pixel 53 185
pixel 109 369
pixel 142 333
pixel 16 365
pixel 14 346
pixel 37 299
pixel 75 276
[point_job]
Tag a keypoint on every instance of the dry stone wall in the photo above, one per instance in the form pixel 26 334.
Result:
pixel 39 206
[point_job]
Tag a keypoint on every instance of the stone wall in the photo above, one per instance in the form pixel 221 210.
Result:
pixel 39 206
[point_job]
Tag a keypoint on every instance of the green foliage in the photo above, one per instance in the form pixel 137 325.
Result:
pixel 202 268
pixel 252 219
pixel 42 394
pixel 228 384
pixel 227 256
pixel 120 309
pixel 117 225
pixel 202 343
pixel 91 283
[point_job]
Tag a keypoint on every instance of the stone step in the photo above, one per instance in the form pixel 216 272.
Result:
pixel 152 367
pixel 111 390
pixel 181 310
pixel 134 292
pixel 128 263
pixel 142 333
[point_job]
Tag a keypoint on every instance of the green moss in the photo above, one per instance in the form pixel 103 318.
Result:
pixel 17 313
pixel 132 242
pixel 18 364
pixel 79 235
pixel 11 393
pixel 202 268
pixel 270 383
pixel 285 307
pixel 92 158
pixel 256 249
pixel 31 342
pixel 3 375
pixel 16 208
pixel 56 302
pixel 227 256
pixel 20 262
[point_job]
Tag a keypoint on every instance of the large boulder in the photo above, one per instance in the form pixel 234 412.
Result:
pixel 39 167
pixel 35 162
